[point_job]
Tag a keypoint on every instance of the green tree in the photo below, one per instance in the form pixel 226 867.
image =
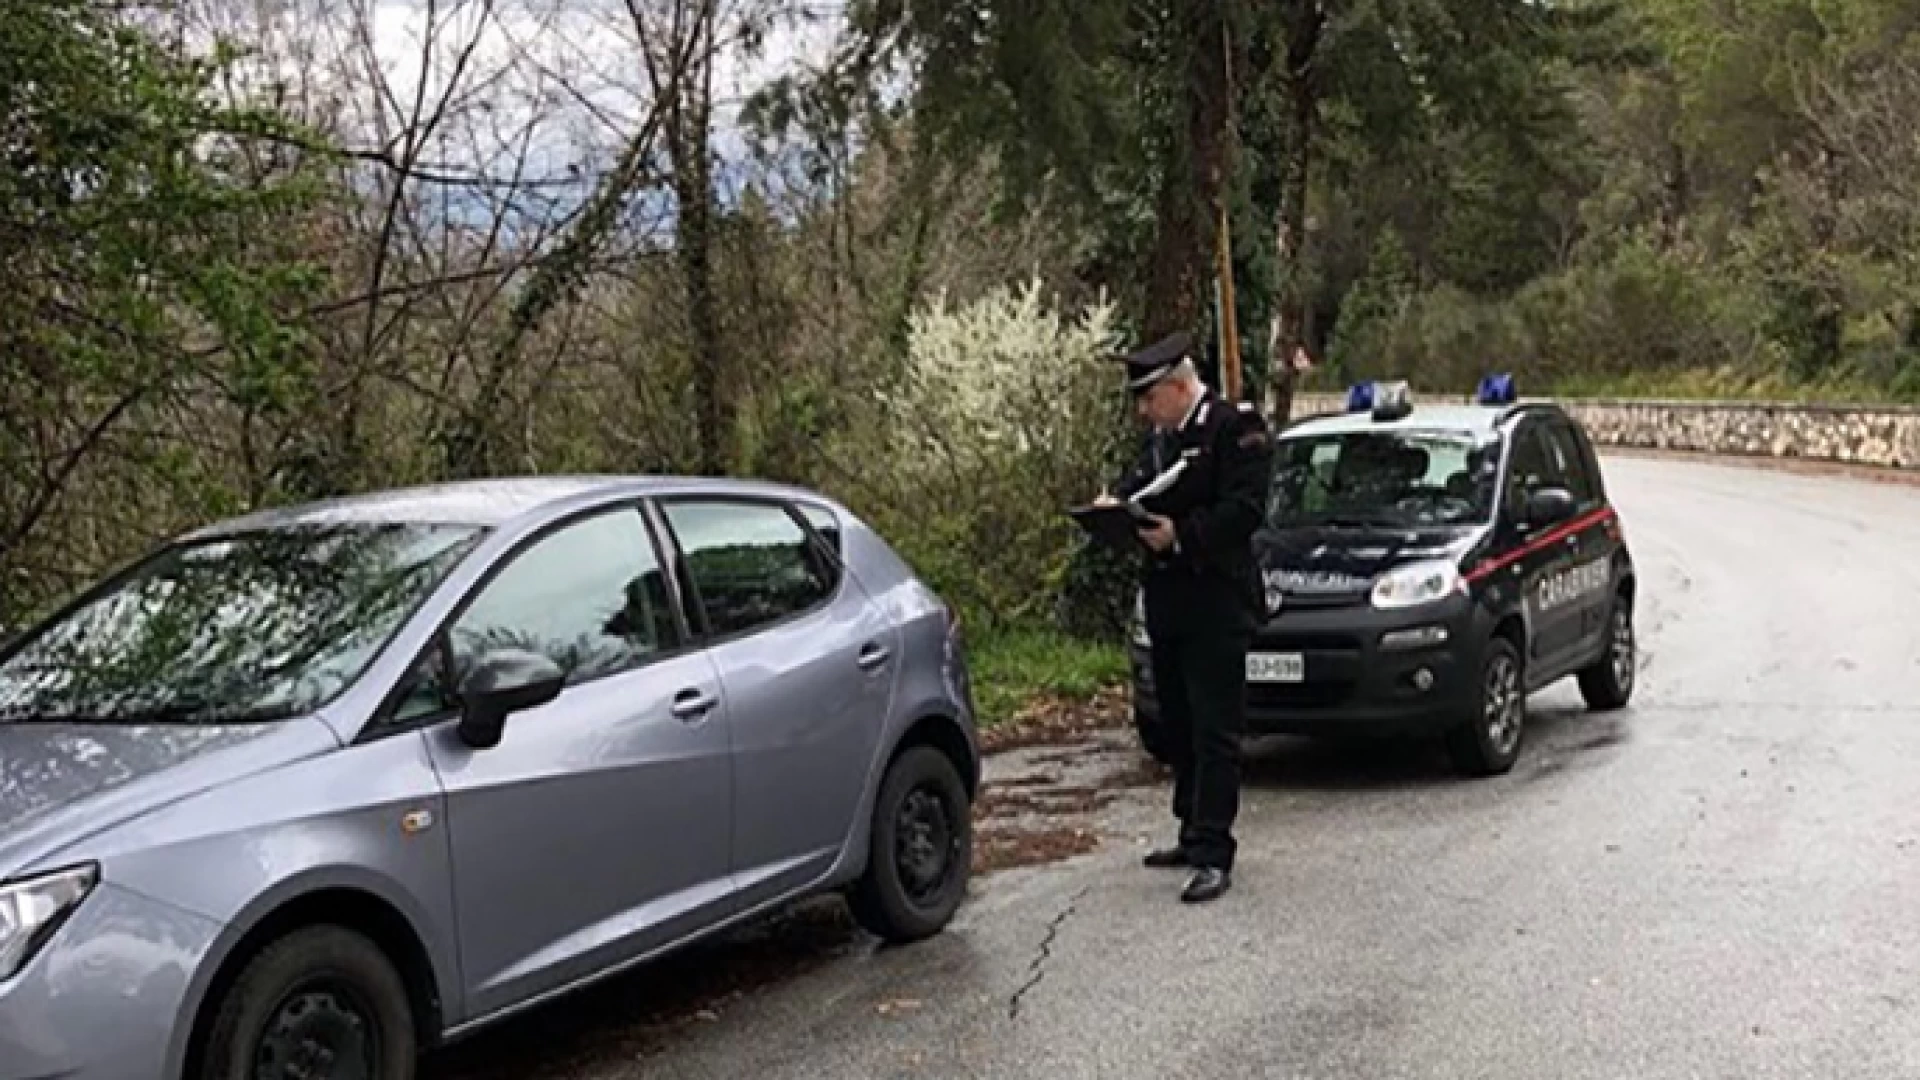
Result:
pixel 132 210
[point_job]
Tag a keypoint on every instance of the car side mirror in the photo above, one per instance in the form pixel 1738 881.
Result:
pixel 1549 506
pixel 503 682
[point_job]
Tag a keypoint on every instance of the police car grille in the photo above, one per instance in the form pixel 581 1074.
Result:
pixel 1313 695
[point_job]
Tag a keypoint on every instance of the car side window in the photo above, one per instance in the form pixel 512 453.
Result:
pixel 1529 469
pixel 1568 466
pixel 750 562
pixel 425 692
pixel 591 597
pixel 824 524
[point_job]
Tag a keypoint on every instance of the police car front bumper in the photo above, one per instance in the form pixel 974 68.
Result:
pixel 1353 670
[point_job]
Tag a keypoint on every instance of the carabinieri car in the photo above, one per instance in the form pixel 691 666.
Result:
pixel 1426 570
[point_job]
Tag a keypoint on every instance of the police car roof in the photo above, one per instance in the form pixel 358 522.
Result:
pixel 1475 420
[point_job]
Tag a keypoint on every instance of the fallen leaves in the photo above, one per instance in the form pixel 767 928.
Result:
pixel 1056 720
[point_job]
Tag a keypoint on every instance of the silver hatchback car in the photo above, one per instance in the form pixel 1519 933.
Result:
pixel 305 792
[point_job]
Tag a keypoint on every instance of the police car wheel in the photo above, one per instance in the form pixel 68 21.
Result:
pixel 1608 684
pixel 1487 741
pixel 921 852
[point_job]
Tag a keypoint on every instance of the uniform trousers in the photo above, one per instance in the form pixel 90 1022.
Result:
pixel 1200 680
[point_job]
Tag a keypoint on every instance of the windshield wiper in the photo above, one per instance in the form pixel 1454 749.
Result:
pixel 1361 521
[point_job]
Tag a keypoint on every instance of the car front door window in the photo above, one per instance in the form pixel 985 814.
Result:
pixel 591 597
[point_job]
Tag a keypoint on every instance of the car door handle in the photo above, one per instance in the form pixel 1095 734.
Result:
pixel 691 704
pixel 872 656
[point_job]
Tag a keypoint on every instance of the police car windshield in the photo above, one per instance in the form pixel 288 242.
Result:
pixel 1392 479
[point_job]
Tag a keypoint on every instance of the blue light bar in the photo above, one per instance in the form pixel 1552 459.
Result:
pixel 1360 397
pixel 1496 390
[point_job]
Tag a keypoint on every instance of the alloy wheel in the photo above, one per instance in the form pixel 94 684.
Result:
pixel 1503 701
pixel 1622 648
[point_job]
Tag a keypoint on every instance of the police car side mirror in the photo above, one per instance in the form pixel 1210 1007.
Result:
pixel 1548 506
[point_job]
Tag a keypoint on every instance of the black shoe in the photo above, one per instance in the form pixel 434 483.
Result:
pixel 1165 857
pixel 1207 883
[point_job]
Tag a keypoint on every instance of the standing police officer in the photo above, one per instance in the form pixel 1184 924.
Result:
pixel 1207 462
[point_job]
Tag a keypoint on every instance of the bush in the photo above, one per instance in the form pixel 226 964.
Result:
pixel 1004 414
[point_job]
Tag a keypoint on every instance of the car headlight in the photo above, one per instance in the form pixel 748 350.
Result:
pixel 30 912
pixel 1417 583
pixel 1140 636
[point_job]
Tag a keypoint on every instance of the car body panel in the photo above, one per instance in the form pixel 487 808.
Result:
pixel 104 1006
pixel 597 826
pixel 61 784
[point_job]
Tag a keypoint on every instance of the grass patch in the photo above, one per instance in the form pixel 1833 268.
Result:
pixel 1013 667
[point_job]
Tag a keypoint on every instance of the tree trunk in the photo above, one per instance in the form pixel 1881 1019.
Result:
pixel 1192 183
pixel 1289 328
pixel 689 145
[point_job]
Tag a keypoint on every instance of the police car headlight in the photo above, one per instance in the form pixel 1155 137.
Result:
pixel 1417 583
pixel 1139 627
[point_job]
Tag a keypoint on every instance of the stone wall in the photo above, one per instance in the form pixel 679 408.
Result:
pixel 1885 436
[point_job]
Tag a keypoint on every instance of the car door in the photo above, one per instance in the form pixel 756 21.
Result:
pixel 600 825
pixel 808 663
pixel 1587 584
pixel 1544 557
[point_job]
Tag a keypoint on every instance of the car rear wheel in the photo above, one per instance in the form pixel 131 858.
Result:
pixel 1608 684
pixel 1487 741
pixel 920 856
pixel 320 1003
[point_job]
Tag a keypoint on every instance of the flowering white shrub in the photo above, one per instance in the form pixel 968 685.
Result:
pixel 999 422
pixel 1006 373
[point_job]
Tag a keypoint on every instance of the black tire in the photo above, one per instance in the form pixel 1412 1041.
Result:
pixel 1487 742
pixel 921 854
pixel 1608 684
pixel 323 987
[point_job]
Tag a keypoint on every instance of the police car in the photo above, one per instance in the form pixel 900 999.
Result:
pixel 1426 570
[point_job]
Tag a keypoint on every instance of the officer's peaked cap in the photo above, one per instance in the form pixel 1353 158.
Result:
pixel 1149 365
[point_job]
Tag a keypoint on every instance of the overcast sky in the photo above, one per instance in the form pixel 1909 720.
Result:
pixel 566 77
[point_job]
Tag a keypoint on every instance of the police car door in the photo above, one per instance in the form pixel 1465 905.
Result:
pixel 1545 557
pixel 1587 587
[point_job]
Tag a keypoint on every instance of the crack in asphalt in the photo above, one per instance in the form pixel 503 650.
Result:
pixel 1038 969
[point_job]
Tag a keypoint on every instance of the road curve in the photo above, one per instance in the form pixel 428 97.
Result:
pixel 1722 881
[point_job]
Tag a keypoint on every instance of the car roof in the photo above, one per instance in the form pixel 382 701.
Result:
pixel 1476 420
pixel 487 503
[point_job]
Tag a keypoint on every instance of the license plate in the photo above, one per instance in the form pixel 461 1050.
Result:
pixel 1276 667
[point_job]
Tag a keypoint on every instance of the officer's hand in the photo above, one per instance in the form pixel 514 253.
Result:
pixel 1158 533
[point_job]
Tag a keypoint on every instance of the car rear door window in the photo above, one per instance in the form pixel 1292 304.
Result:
pixel 751 563
pixel 590 596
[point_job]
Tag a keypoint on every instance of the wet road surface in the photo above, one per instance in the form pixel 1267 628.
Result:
pixel 1722 881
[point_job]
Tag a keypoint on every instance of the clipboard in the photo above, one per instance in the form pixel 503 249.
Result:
pixel 1116 526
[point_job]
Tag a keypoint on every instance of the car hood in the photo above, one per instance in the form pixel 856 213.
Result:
pixel 1330 564
pixel 63 783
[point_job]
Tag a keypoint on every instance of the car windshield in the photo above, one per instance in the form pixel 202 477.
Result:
pixel 1392 479
pixel 250 628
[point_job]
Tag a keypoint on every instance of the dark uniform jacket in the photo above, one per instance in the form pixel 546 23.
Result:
pixel 1217 499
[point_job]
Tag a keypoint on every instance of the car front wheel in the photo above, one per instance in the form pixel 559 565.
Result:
pixel 1487 741
pixel 920 856
pixel 321 1002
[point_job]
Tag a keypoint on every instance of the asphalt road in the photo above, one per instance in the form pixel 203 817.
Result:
pixel 1723 881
